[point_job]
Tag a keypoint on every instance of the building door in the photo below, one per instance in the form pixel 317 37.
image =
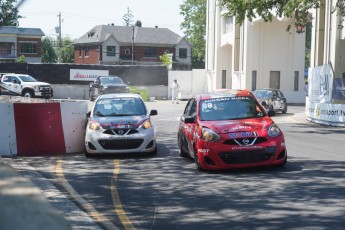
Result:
pixel 274 79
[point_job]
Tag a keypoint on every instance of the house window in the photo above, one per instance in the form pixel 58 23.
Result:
pixel 127 51
pixel 182 53
pixel 28 48
pixel 150 52
pixel 79 51
pixel 296 80
pixel 86 51
pixel 111 50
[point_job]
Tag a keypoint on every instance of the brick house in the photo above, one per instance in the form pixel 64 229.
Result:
pixel 130 45
pixel 16 41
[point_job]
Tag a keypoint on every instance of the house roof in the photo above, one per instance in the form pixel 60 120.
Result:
pixel 21 31
pixel 124 34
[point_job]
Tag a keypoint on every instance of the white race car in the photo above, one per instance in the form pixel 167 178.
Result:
pixel 120 123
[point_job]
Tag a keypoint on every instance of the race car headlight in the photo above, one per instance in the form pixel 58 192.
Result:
pixel 93 125
pixel 209 135
pixel 273 130
pixel 147 124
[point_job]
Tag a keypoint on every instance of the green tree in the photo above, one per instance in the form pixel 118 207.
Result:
pixel 8 13
pixel 21 59
pixel 128 17
pixel 66 51
pixel 297 9
pixel 194 27
pixel 48 51
pixel 166 59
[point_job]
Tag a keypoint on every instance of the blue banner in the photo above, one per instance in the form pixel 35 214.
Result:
pixel 339 88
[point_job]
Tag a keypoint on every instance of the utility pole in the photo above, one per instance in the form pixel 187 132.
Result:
pixel 58 30
pixel 132 45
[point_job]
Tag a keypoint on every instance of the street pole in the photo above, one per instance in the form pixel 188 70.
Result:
pixel 132 45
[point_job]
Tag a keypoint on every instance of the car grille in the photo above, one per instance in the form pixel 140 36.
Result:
pixel 120 131
pixel 121 144
pixel 246 157
pixel 240 140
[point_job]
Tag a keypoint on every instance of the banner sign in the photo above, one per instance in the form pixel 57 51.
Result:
pixel 339 88
pixel 320 82
pixel 86 74
pixel 327 114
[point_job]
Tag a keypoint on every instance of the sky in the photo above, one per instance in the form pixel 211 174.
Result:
pixel 79 16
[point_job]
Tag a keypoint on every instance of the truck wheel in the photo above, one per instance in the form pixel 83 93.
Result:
pixel 27 93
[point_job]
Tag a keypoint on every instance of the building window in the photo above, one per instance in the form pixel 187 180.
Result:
pixel 86 51
pixel 150 52
pixel 28 48
pixel 274 79
pixel 223 79
pixel 127 51
pixel 80 51
pixel 254 74
pixel 111 51
pixel 182 53
pixel 296 80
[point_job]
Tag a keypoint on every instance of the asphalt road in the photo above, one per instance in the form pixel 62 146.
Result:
pixel 167 192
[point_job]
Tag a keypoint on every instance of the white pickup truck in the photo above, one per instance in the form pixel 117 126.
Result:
pixel 24 85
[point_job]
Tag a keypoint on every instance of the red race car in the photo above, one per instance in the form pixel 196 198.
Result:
pixel 230 129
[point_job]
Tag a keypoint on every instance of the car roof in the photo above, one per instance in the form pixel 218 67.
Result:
pixel 266 89
pixel 109 76
pixel 119 95
pixel 226 93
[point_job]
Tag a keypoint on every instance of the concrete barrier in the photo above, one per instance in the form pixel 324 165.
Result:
pixel 34 127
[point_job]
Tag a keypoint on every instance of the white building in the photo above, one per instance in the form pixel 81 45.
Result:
pixel 328 39
pixel 254 55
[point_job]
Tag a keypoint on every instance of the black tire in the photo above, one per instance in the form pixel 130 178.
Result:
pixel 88 155
pixel 180 150
pixel 28 93
pixel 271 110
pixel 197 162
pixel 283 163
pixel 154 152
pixel 285 109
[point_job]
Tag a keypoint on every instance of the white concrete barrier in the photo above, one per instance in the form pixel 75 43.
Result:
pixel 32 127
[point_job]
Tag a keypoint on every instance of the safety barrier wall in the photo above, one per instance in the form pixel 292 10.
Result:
pixel 42 127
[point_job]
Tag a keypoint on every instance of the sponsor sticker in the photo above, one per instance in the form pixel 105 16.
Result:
pixel 243 135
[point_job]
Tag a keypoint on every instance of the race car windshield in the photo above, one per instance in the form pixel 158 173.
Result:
pixel 119 107
pixel 262 93
pixel 229 108
pixel 27 78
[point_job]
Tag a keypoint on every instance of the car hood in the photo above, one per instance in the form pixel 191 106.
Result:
pixel 120 121
pixel 228 126
pixel 37 83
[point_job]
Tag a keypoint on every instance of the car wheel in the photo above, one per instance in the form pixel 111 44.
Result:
pixel 154 152
pixel 285 109
pixel 88 155
pixel 197 162
pixel 283 163
pixel 270 108
pixel 180 150
pixel 28 93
